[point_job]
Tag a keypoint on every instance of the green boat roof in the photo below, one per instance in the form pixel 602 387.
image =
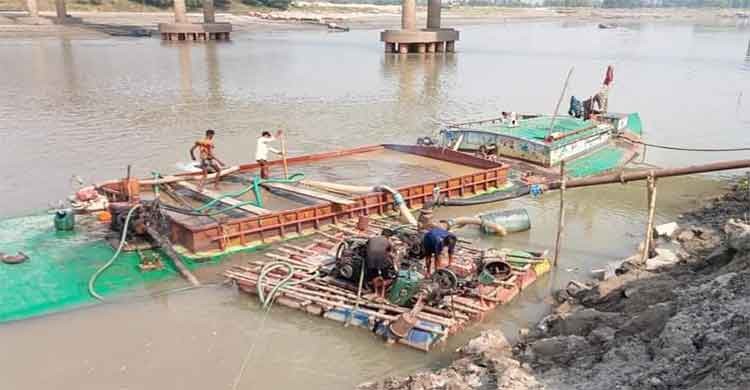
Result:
pixel 537 128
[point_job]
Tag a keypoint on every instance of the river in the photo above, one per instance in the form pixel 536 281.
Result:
pixel 90 107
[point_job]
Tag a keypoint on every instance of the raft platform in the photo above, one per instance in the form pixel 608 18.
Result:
pixel 418 174
pixel 321 295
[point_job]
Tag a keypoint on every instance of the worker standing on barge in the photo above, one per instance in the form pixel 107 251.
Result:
pixel 205 148
pixel 261 152
pixel 433 243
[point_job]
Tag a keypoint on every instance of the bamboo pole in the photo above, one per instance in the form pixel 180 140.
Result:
pixel 559 101
pixel 561 220
pixel 167 248
pixel 283 156
pixel 650 224
pixel 624 177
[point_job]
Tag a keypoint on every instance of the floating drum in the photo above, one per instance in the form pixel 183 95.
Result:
pixel 64 220
pixel 516 220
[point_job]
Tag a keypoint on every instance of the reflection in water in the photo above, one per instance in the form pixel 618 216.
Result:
pixel 70 71
pixel 186 70
pixel 213 74
pixel 419 84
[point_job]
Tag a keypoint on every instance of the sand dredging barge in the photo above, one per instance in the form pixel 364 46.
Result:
pixel 421 311
pixel 177 228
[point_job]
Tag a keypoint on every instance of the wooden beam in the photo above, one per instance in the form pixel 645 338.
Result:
pixel 311 193
pixel 227 200
pixel 192 176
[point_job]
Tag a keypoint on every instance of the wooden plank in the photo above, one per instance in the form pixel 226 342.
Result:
pixel 228 201
pixel 311 193
pixel 191 176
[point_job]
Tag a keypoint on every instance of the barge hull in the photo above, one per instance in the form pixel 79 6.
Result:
pixel 279 225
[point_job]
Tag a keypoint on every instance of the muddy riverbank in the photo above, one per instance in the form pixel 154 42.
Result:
pixel 683 325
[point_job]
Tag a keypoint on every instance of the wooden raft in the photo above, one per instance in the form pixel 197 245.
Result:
pixel 330 298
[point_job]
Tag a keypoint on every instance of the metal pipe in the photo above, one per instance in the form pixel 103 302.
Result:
pixel 625 177
pixel 167 248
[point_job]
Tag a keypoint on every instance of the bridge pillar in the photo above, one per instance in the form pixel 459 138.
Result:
pixel 432 39
pixel 33 8
pixel 183 30
pixel 433 14
pixel 209 13
pixel 61 11
pixel 409 15
pixel 180 11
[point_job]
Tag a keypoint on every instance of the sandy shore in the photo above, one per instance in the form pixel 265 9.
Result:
pixel 99 24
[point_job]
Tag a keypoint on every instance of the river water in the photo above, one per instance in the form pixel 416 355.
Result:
pixel 92 106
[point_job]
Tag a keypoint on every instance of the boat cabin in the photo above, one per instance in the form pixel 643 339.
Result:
pixel 540 139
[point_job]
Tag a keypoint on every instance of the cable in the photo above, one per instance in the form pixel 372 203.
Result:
pixel 684 149
pixel 267 302
pixel 111 261
pixel 282 284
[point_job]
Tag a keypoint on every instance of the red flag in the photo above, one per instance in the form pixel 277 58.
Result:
pixel 609 76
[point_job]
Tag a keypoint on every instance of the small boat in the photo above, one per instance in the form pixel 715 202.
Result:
pixel 607 26
pixel 541 140
pixel 534 145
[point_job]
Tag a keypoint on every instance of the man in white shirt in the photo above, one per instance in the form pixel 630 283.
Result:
pixel 261 152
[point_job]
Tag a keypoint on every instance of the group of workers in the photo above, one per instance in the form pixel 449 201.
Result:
pixel 595 105
pixel 209 161
pixel 437 243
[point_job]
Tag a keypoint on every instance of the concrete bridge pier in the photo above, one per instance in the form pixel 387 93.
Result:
pixel 409 39
pixel 33 8
pixel 433 14
pixel 61 11
pixel 183 30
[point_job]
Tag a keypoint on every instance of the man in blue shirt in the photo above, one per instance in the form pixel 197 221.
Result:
pixel 433 243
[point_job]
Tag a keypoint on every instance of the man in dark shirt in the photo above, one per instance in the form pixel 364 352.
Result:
pixel 433 243
pixel 377 264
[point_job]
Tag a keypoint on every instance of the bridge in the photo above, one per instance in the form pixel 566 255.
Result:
pixel 180 30
pixel 409 39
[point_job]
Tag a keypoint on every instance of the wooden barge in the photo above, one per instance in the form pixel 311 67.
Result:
pixel 312 208
pixel 317 293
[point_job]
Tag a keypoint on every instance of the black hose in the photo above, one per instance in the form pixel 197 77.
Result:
pixel 492 197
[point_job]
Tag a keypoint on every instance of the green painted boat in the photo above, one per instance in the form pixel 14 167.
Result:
pixel 536 144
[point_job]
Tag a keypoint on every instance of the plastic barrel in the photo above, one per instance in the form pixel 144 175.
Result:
pixel 516 220
pixel 65 220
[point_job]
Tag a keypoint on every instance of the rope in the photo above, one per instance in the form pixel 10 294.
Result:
pixel 267 302
pixel 285 282
pixel 111 261
pixel 685 149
